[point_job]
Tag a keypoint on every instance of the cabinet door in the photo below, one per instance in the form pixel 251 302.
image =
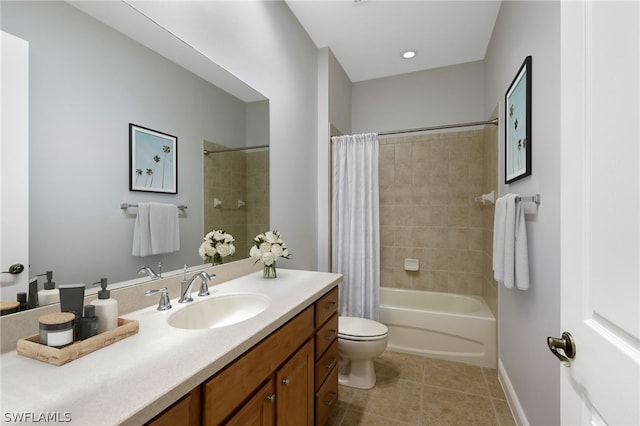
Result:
pixel 185 412
pixel 259 411
pixel 294 382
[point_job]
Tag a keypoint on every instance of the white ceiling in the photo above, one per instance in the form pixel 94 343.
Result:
pixel 368 37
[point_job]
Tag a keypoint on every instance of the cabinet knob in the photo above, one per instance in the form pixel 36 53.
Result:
pixel 285 382
pixel 271 398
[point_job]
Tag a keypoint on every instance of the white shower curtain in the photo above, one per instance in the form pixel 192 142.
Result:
pixel 355 222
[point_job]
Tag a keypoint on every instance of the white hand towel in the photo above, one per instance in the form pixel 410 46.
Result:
pixel 164 228
pixel 522 252
pixel 500 212
pixel 141 232
pixel 510 241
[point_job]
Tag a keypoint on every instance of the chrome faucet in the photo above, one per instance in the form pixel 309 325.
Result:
pixel 150 272
pixel 187 285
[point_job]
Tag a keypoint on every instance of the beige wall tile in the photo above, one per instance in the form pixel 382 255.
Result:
pixel 427 192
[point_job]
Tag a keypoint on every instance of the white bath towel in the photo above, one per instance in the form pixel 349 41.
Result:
pixel 156 230
pixel 510 241
pixel 164 228
pixel 522 252
pixel 510 252
pixel 141 232
pixel 500 213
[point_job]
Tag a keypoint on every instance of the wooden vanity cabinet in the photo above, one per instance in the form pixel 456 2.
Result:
pixel 227 390
pixel 289 378
pixel 259 410
pixel 186 411
pixel 326 356
pixel 294 393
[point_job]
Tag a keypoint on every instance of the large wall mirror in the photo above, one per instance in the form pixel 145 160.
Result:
pixel 87 83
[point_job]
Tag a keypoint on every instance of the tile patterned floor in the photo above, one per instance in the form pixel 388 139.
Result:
pixel 413 390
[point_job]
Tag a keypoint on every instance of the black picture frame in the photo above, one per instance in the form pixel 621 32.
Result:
pixel 153 160
pixel 517 131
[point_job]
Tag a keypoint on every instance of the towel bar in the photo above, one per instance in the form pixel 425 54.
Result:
pixel 125 206
pixel 532 198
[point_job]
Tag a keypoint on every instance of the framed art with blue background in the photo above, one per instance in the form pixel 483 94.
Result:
pixel 518 125
pixel 153 160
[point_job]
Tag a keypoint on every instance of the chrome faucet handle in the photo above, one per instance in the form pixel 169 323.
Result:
pixel 164 304
pixel 204 288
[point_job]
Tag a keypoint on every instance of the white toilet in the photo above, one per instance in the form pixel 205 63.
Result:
pixel 360 340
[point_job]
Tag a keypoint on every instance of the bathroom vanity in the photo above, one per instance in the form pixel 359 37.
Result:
pixel 277 367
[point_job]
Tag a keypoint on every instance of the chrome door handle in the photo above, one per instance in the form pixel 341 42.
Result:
pixel 568 346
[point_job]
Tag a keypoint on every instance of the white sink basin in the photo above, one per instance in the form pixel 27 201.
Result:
pixel 220 311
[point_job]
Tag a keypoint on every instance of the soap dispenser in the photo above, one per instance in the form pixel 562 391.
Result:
pixel 106 308
pixel 49 294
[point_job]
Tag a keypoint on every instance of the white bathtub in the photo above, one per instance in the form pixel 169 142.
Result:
pixel 439 325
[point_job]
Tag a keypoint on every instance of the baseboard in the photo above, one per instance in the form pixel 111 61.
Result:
pixel 512 399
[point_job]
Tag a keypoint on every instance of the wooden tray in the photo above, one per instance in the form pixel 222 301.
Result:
pixel 31 347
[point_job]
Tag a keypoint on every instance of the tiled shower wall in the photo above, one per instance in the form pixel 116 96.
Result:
pixel 233 176
pixel 428 186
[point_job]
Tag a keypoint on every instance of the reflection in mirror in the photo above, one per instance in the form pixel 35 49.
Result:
pixel 87 82
pixel 236 191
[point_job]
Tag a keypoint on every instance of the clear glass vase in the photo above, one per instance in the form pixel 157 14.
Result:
pixel 269 271
pixel 216 259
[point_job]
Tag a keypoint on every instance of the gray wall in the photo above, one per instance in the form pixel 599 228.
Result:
pixel 528 317
pixel 278 59
pixel 86 86
pixel 446 95
pixel 471 92
pixel 334 113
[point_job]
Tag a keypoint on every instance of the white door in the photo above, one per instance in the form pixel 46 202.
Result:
pixel 600 211
pixel 14 164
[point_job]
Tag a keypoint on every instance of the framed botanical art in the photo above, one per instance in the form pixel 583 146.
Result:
pixel 517 137
pixel 153 160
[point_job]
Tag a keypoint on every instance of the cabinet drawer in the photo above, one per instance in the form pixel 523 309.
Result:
pixel 327 398
pixel 326 363
pixel 326 335
pixel 326 306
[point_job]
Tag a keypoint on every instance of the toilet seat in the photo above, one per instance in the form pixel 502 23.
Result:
pixel 361 329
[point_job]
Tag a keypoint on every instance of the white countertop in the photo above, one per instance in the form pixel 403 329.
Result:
pixel 134 379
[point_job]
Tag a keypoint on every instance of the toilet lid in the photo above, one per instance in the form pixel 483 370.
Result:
pixel 353 328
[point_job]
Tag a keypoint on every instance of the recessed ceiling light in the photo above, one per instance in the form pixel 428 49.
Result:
pixel 409 54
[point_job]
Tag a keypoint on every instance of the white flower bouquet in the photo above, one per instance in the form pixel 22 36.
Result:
pixel 267 249
pixel 217 245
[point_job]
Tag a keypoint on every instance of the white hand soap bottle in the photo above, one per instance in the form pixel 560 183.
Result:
pixel 106 308
pixel 49 294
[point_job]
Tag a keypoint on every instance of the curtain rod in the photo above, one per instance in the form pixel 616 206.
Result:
pixel 444 126
pixel 246 148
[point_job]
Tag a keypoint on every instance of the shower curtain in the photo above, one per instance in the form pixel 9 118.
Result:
pixel 355 225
